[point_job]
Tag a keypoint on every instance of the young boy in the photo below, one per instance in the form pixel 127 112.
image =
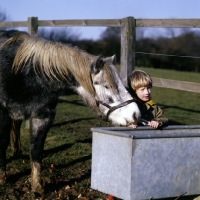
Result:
pixel 140 84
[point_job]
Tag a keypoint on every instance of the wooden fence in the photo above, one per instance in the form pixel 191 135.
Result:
pixel 128 32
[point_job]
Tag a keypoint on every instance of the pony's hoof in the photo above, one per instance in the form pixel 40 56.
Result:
pixel 2 177
pixel 37 189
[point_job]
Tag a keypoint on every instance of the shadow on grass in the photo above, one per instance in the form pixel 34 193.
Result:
pixel 13 178
pixel 74 102
pixel 51 187
pixel 71 121
pixel 186 117
pixel 75 161
pixel 64 147
pixel 21 156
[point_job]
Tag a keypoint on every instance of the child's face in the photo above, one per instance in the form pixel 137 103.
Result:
pixel 144 93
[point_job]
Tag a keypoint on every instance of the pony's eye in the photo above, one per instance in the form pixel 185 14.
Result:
pixel 106 86
pixel 96 83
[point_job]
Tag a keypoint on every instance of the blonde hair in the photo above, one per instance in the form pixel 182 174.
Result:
pixel 139 78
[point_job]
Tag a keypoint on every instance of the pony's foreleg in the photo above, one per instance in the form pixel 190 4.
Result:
pixel 5 127
pixel 15 137
pixel 39 129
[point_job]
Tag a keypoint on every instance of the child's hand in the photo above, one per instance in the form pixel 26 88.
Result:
pixel 153 124
pixel 133 125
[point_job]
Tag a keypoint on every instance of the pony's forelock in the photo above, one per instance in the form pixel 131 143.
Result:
pixel 110 77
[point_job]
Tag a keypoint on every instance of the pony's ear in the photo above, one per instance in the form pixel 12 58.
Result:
pixel 98 65
pixel 100 62
pixel 112 59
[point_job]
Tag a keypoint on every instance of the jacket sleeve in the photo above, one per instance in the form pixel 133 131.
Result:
pixel 159 116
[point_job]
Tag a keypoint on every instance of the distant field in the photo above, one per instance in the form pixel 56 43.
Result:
pixel 181 107
pixel 172 74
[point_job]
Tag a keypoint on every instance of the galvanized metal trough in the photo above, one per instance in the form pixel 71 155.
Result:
pixel 145 163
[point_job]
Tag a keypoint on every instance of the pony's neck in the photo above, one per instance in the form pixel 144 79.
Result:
pixel 89 99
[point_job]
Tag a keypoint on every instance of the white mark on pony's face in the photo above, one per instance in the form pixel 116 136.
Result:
pixel 103 91
pixel 110 90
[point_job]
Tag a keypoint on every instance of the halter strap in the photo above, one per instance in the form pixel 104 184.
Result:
pixel 111 109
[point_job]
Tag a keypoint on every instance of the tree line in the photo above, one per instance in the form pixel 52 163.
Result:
pixel 181 52
pixel 178 52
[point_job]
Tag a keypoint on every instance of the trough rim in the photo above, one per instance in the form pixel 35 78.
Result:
pixel 146 132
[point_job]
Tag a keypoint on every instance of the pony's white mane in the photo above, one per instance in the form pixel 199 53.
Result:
pixel 52 59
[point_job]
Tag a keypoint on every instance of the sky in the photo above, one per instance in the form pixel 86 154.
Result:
pixel 20 10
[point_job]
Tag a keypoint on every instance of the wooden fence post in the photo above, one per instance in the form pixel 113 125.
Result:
pixel 127 62
pixel 33 26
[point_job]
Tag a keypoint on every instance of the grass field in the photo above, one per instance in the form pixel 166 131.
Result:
pixel 67 155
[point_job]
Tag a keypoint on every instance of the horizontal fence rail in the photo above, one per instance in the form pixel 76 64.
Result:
pixel 128 33
pixel 168 23
pixel 162 23
pixel 60 23
pixel 178 85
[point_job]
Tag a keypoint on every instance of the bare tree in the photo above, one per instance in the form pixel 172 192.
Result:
pixel 3 16
pixel 111 34
pixel 65 35
pixel 112 41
